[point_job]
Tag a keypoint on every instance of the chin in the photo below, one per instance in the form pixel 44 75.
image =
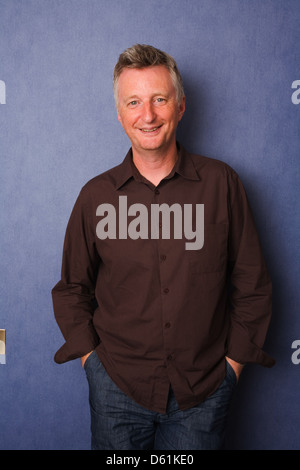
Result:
pixel 155 145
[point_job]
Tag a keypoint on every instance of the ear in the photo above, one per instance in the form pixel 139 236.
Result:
pixel 119 117
pixel 181 108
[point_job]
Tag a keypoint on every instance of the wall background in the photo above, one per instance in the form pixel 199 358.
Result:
pixel 59 128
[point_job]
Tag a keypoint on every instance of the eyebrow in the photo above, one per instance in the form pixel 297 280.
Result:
pixel 134 97
pixel 131 97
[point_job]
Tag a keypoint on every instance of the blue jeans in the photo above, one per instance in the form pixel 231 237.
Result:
pixel 118 423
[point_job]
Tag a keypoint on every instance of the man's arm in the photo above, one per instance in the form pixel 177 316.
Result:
pixel 251 289
pixel 74 295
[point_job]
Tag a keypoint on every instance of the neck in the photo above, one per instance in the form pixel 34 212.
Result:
pixel 155 165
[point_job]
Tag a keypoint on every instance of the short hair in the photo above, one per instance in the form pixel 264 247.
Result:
pixel 141 56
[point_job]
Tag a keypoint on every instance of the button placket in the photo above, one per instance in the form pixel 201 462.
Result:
pixel 166 320
pixel 165 288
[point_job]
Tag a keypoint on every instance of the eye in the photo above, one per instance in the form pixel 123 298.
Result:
pixel 133 103
pixel 160 101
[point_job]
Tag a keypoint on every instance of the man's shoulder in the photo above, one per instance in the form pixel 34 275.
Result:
pixel 210 165
pixel 100 187
pixel 107 178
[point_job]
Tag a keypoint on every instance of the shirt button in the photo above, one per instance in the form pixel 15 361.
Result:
pixel 170 358
pixel 167 325
pixel 156 191
pixel 166 290
pixel 163 257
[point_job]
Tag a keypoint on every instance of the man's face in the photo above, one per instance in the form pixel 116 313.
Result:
pixel 148 108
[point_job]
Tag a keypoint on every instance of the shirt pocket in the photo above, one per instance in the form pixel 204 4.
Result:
pixel 213 255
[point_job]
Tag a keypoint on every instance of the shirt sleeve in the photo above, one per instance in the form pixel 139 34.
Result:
pixel 74 295
pixel 251 287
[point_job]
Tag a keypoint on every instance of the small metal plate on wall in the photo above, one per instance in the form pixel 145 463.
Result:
pixel 2 347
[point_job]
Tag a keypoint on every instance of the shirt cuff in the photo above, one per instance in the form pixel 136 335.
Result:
pixel 242 350
pixel 80 343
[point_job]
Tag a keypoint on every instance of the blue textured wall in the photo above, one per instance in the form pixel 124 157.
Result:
pixel 58 128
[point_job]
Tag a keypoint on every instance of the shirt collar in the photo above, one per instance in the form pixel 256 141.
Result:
pixel 184 166
pixel 124 170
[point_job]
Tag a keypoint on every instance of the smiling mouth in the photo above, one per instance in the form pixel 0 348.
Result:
pixel 148 131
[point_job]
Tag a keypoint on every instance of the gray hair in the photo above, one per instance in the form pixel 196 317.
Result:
pixel 141 56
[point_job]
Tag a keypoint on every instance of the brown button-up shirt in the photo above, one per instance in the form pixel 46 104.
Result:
pixel 160 307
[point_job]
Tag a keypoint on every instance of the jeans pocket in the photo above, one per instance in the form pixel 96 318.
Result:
pixel 88 360
pixel 230 373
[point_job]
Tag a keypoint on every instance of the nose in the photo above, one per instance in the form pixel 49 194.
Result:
pixel 149 114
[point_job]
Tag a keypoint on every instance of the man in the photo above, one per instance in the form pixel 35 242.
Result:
pixel 164 291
